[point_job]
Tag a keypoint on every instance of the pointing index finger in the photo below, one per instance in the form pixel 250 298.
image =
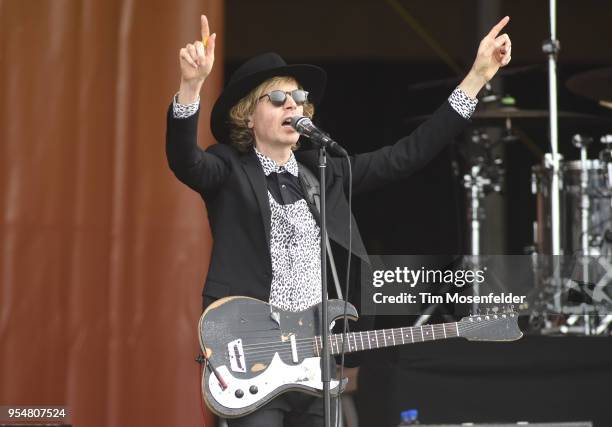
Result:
pixel 204 28
pixel 498 27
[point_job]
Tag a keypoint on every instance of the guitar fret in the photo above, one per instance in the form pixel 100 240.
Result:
pixel 449 330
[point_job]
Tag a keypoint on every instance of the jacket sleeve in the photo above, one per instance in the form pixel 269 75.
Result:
pixel 200 170
pixel 376 168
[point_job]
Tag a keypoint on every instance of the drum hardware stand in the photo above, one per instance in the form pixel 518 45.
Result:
pixel 605 156
pixel 486 175
pixel 582 142
pixel 551 47
pixel 488 95
pixel 587 239
pixel 603 325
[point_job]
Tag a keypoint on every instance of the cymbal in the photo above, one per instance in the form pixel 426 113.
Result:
pixel 593 84
pixel 498 117
pixel 454 81
pixel 512 116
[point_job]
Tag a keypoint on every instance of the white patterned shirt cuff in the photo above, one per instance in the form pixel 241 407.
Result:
pixel 183 111
pixel 462 104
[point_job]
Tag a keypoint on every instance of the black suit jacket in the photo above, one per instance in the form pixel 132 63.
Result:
pixel 233 187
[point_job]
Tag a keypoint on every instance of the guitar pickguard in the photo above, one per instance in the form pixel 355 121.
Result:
pixel 305 376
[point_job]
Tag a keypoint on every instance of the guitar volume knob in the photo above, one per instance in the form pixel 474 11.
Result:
pixel 239 393
pixel 253 389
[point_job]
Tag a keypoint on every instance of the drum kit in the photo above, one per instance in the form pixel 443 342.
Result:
pixel 577 281
pixel 572 279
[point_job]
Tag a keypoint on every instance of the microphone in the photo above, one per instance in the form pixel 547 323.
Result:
pixel 305 126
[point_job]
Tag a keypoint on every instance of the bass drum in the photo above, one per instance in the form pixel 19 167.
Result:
pixel 598 193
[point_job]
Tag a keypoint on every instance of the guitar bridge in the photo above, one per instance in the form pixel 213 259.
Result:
pixel 236 355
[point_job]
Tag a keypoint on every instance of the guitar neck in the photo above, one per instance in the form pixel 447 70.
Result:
pixel 369 340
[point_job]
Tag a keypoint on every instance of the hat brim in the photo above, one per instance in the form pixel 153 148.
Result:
pixel 310 77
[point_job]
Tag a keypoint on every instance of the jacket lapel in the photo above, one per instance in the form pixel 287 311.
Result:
pixel 254 171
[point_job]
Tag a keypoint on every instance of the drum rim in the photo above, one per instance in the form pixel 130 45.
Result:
pixel 572 165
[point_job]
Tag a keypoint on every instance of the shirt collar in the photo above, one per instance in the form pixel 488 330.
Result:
pixel 270 165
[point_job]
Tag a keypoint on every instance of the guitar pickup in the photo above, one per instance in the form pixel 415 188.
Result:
pixel 236 356
pixel 294 353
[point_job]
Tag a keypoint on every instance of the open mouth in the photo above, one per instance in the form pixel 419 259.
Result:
pixel 287 122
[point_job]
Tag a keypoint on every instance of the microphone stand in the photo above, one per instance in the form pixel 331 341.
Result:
pixel 325 354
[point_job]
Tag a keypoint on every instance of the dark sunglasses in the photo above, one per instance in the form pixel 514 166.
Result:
pixel 278 97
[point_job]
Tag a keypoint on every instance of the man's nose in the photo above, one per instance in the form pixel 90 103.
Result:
pixel 289 102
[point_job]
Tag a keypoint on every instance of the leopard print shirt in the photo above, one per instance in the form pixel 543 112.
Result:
pixel 294 246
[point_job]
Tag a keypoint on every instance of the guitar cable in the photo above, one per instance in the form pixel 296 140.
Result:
pixel 202 359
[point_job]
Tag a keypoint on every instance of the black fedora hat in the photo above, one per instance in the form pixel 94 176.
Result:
pixel 254 72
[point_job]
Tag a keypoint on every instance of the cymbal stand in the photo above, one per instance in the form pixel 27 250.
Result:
pixel 551 47
pixel 485 176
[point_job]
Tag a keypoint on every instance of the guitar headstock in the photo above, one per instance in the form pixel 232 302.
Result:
pixel 498 326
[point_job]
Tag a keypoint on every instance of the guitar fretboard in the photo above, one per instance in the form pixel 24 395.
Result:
pixel 368 340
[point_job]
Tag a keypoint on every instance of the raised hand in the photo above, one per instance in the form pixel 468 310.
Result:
pixel 197 58
pixel 493 52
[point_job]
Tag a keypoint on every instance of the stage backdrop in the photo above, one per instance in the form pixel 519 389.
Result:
pixel 102 251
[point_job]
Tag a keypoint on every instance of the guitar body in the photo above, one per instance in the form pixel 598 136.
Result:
pixel 260 352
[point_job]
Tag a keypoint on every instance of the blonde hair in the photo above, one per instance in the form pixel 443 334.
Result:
pixel 240 135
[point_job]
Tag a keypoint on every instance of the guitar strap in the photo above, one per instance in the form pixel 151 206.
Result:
pixel 310 183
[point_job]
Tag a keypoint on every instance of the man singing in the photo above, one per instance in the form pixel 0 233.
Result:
pixel 266 236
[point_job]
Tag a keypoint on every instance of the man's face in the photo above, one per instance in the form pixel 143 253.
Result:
pixel 270 124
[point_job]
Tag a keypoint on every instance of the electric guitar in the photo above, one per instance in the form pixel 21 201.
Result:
pixel 254 351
